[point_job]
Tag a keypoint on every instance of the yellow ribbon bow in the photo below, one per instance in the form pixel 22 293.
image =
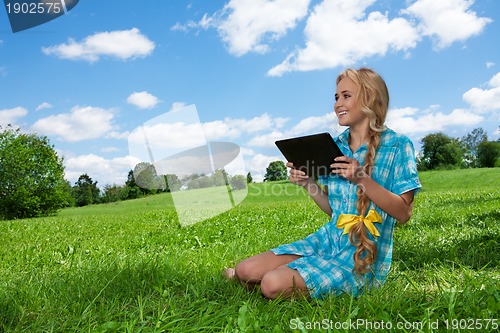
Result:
pixel 346 221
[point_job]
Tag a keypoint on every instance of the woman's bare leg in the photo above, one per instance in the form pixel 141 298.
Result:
pixel 271 272
pixel 283 282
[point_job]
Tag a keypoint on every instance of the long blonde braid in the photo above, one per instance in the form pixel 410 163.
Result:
pixel 373 100
pixel 366 251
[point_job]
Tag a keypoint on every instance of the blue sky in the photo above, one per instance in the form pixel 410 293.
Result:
pixel 257 71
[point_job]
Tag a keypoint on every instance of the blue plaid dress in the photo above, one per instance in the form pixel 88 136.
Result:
pixel 327 260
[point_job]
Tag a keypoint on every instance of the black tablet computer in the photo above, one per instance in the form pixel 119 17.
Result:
pixel 312 154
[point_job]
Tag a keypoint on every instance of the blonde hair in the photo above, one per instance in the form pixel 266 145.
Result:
pixel 373 101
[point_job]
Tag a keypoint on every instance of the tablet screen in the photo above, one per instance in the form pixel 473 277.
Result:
pixel 312 154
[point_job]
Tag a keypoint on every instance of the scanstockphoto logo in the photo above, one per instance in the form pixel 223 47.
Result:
pixel 205 178
pixel 31 13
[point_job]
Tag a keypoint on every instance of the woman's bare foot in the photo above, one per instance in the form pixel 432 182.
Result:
pixel 230 273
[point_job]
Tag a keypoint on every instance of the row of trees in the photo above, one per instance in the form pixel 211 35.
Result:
pixel 86 192
pixel 144 180
pixel 473 150
pixel 32 174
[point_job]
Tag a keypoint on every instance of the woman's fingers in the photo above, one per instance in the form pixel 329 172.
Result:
pixel 295 172
pixel 298 174
pixel 346 167
pixel 343 162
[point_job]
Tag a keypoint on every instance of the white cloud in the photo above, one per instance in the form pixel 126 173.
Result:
pixel 177 105
pixel 82 123
pixel 448 21
pixel 485 100
pixel 250 22
pixel 266 140
pixel 495 80
pixel 234 128
pixel 121 44
pixel 339 33
pixel 205 23
pixel 490 64
pixel 314 124
pixel 412 120
pixel 10 116
pixel 218 129
pixel 168 137
pixel 143 100
pixel 258 163
pixel 256 124
pixel 104 171
pixel 117 135
pixel 248 25
pixel 44 105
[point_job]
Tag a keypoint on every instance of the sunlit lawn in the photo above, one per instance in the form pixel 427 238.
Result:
pixel 130 266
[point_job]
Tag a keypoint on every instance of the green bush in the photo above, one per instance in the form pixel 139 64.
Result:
pixel 31 176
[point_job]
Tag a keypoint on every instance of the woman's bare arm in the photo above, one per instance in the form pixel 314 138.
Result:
pixel 317 193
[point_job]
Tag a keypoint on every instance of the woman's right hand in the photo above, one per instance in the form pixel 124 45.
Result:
pixel 298 177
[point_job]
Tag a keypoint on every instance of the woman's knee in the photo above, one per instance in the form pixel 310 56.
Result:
pixel 253 268
pixel 283 282
pixel 271 285
pixel 244 270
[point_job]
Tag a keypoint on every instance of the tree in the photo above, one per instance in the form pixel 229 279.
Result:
pixel 86 191
pixel 220 177
pixel 276 171
pixel 202 181
pixel 238 182
pixel 113 193
pixel 31 176
pixel 68 190
pixel 146 178
pixel 133 190
pixel 249 178
pixel 173 183
pixel 488 153
pixel 471 143
pixel 439 151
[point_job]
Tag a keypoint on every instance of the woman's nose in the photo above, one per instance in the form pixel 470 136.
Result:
pixel 336 105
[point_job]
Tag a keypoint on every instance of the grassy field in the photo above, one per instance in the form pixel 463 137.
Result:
pixel 130 267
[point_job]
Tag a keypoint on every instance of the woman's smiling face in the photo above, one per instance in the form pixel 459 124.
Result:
pixel 346 105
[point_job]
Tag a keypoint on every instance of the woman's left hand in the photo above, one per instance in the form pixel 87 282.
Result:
pixel 348 168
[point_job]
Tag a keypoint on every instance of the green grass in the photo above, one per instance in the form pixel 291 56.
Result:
pixel 130 267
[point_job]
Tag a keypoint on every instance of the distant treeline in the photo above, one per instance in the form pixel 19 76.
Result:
pixel 473 150
pixel 144 180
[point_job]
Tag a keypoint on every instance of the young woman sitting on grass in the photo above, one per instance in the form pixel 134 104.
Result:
pixel 369 188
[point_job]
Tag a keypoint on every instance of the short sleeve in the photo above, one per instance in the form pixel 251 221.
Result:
pixel 323 180
pixel 405 168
